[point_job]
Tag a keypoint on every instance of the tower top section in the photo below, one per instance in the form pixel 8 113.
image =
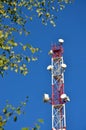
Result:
pixel 57 49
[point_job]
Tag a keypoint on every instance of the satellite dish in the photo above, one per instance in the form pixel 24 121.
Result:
pixel 63 66
pixel 62 129
pixel 46 98
pixel 49 67
pixel 53 129
pixel 50 52
pixel 61 41
pixel 65 97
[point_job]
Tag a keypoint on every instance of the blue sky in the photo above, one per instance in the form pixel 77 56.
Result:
pixel 71 26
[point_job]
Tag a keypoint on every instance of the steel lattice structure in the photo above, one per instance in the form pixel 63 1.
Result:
pixel 58 107
pixel 58 98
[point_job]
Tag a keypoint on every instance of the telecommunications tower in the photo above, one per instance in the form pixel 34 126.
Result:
pixel 58 98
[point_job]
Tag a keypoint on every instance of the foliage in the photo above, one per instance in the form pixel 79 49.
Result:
pixel 36 127
pixel 14 15
pixel 14 10
pixel 9 57
pixel 10 111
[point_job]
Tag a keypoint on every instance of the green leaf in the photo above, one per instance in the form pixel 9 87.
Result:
pixel 34 128
pixel 4 110
pixel 18 111
pixel 37 126
pixel 0 118
pixel 34 58
pixel 28 45
pixel 15 118
pixel 9 114
pixel 1 128
pixel 28 59
pixel 31 18
pixel 41 120
pixel 25 128
pixel 24 47
pixel 66 1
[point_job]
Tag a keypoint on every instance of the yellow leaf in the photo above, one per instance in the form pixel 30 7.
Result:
pixel 48 15
pixel 1 63
pixel 1 34
pixel 2 11
pixel 15 9
pixel 5 67
pixel 34 59
pixel 15 44
pixel 21 68
pixel 1 6
pixel 24 47
pixel 7 48
pixel 1 123
pixel 24 65
pixel 32 50
pixel 31 18
pixel 25 72
pixel 28 59
pixel 16 70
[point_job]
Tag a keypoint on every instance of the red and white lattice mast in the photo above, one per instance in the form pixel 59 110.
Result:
pixel 58 98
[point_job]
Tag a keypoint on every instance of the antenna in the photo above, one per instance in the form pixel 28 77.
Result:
pixel 58 98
